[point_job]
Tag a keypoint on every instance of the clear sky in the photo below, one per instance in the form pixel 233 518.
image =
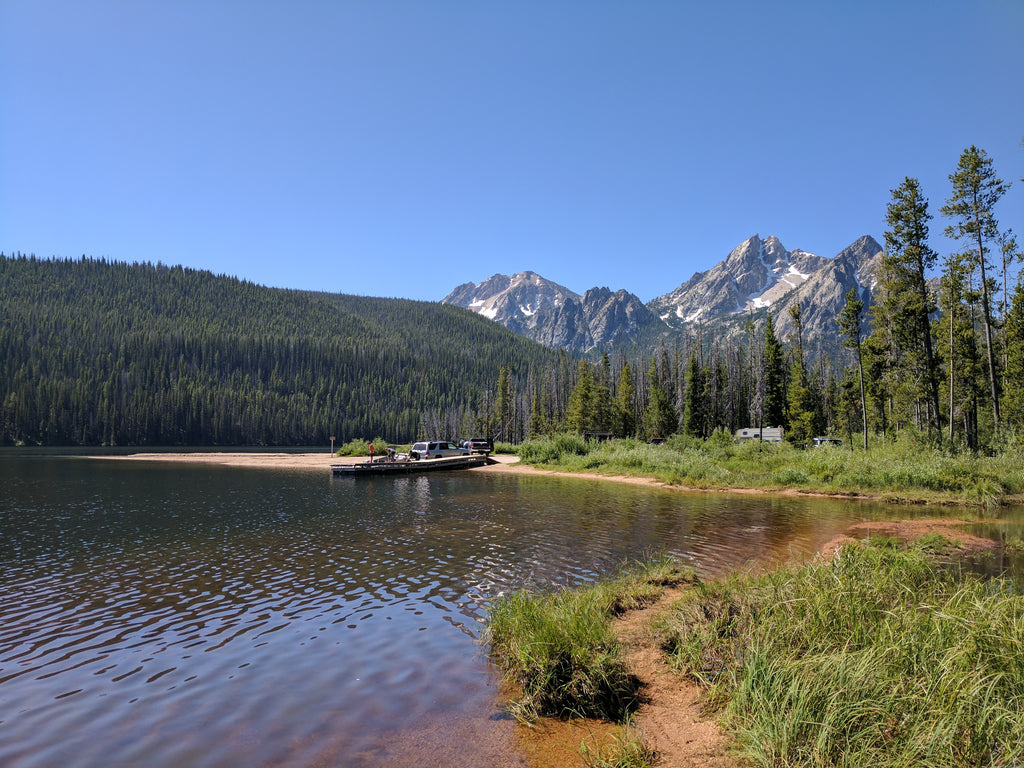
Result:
pixel 400 148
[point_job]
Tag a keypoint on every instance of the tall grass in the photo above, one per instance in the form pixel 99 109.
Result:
pixel 879 658
pixel 905 470
pixel 560 648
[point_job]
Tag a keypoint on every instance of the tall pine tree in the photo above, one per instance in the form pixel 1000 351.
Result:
pixel 904 265
pixel 850 321
pixel 971 206
pixel 660 418
pixel 774 378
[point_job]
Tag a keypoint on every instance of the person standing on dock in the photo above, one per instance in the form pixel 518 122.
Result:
pixel 371 453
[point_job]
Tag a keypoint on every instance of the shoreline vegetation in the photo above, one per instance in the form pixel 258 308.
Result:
pixel 876 655
pixel 906 471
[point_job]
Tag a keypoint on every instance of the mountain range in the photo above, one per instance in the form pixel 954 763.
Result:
pixel 758 276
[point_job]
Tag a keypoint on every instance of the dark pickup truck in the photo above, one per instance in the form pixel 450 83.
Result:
pixel 478 445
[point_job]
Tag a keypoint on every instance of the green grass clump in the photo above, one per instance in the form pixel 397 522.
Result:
pixel 789 477
pixel 560 648
pixel 553 449
pixel 879 658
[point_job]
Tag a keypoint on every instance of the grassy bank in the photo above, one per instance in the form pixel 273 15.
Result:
pixel 559 649
pixel 881 657
pixel 907 470
pixel 878 658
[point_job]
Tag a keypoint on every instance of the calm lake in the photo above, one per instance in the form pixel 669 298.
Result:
pixel 184 615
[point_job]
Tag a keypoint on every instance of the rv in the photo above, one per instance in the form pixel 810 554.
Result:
pixel 764 434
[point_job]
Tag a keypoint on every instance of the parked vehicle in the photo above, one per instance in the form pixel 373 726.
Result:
pixel 478 445
pixel 820 441
pixel 436 449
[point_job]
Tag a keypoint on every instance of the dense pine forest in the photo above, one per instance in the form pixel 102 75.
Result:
pixel 98 353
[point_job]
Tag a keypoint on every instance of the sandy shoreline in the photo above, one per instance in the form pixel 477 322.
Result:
pixel 270 460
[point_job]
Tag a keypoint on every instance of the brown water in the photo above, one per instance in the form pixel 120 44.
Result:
pixel 160 615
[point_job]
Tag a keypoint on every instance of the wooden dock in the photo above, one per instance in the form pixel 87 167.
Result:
pixel 409 466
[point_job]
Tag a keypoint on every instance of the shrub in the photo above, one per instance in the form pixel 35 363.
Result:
pixel 361 447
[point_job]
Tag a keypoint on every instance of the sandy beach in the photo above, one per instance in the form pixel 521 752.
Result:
pixel 269 460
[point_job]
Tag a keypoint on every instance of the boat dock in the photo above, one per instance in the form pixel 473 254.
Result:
pixel 408 466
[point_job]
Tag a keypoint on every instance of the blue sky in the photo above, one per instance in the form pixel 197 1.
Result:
pixel 402 148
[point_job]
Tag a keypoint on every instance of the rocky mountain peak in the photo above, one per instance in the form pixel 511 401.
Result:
pixel 757 274
pixel 511 300
pixel 552 314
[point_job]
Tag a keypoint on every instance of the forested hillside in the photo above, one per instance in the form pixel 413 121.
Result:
pixel 99 353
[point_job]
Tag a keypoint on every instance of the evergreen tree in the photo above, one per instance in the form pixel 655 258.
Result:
pixel 971 206
pixel 801 406
pixel 503 405
pixel 1011 255
pixel 579 412
pixel 850 328
pixel 774 378
pixel 850 411
pixel 958 345
pixel 538 424
pixel 660 418
pixel 802 399
pixel 904 266
pixel 1014 373
pixel 602 408
pixel 625 421
pixel 694 409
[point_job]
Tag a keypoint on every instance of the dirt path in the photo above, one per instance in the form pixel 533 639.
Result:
pixel 671 720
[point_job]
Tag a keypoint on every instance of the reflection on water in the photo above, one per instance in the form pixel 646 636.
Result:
pixel 162 615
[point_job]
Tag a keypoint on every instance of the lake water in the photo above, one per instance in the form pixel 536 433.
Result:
pixel 166 615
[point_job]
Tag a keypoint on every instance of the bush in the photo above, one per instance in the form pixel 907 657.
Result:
pixel 361 447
